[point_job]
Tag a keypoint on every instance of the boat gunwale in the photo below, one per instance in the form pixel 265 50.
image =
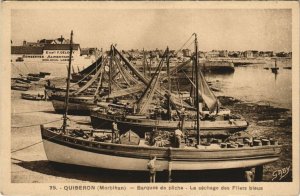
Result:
pixel 118 119
pixel 155 148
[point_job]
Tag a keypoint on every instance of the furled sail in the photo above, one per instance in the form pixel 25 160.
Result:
pixel 205 93
pixel 141 77
pixel 90 82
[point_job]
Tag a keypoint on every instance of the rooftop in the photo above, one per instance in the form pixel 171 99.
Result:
pixel 26 50
pixel 60 47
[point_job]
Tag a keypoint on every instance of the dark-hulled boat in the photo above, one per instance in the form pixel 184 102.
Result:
pixel 142 124
pixel 52 90
pixel 86 74
pixel 83 99
pixel 77 105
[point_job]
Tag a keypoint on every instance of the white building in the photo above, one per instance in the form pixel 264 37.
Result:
pixel 48 53
pixel 26 53
pixel 60 52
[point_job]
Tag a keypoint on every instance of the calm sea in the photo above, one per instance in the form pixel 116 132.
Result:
pixel 251 83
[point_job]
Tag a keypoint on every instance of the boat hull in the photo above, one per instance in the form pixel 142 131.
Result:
pixel 52 91
pixel 20 88
pixel 75 107
pixel 140 126
pixel 68 150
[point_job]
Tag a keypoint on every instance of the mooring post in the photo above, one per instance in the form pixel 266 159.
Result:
pixel 258 173
pixel 170 165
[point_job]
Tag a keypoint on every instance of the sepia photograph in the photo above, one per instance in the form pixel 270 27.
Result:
pixel 114 96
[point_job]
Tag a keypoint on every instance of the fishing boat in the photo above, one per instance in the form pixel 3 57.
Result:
pixel 65 148
pixel 150 116
pixel 101 149
pixel 142 124
pixel 98 89
pixel 52 90
pixel 77 105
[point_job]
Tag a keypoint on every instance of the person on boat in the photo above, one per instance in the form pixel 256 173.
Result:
pixel 178 134
pixel 115 132
pixel 152 168
pixel 135 108
pixel 48 83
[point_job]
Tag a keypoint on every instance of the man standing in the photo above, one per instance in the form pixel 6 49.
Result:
pixel 115 131
pixel 178 134
pixel 152 168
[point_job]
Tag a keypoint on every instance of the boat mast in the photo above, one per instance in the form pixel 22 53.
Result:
pixel 110 69
pixel 144 62
pixel 68 85
pixel 169 84
pixel 197 89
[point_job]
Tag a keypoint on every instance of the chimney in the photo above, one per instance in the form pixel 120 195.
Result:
pixel 24 43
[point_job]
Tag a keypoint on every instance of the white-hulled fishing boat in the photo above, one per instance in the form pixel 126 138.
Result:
pixel 65 148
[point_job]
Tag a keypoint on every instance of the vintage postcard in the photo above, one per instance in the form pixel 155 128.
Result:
pixel 130 98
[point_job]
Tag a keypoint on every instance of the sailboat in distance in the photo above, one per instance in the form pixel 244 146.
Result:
pixel 105 149
pixel 275 68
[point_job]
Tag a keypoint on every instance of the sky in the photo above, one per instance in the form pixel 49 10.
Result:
pixel 219 29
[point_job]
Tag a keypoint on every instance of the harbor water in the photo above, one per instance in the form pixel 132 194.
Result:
pixel 253 83
pixel 250 83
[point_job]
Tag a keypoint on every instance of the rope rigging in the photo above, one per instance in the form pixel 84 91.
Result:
pixel 32 125
pixel 184 44
pixel 31 145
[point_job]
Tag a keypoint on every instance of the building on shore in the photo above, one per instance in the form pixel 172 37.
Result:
pixel 51 50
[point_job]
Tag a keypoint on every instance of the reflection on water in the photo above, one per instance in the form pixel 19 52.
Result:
pixel 256 84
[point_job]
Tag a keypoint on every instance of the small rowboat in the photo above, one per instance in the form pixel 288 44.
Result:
pixel 34 74
pixel 44 74
pixel 37 97
pixel 20 87
pixel 32 78
pixel 287 67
